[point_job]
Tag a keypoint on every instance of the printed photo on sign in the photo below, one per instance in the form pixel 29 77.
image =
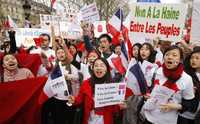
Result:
pixel 109 94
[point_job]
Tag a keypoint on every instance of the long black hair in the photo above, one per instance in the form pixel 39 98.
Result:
pixel 105 79
pixel 136 45
pixel 152 55
pixel 192 72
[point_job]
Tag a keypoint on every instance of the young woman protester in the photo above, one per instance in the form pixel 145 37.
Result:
pixel 55 110
pixel 173 90
pixel 144 69
pixel 75 53
pixel 135 50
pixel 85 68
pixel 192 67
pixel 11 70
pixel 100 74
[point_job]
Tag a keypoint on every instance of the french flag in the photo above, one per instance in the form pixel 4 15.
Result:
pixel 125 32
pixel 116 63
pixel 124 55
pixel 136 80
pixel 47 90
pixel 114 25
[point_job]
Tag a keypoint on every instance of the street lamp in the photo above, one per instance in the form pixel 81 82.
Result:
pixel 27 9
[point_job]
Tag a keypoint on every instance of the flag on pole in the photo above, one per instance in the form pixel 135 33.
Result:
pixel 52 4
pixel 116 63
pixel 11 23
pixel 114 25
pixel 125 32
pixel 56 83
pixel 136 80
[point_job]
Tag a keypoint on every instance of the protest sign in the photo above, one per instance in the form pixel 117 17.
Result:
pixel 153 20
pixel 99 28
pixel 109 94
pixel 24 36
pixel 57 80
pixel 59 85
pixel 74 31
pixel 46 21
pixel 62 26
pixel 90 13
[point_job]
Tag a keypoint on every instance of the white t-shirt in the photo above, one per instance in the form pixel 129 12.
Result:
pixel 85 71
pixel 49 53
pixel 74 82
pixel 185 90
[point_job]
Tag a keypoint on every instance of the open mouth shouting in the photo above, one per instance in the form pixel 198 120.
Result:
pixel 10 62
pixel 12 65
pixel 99 73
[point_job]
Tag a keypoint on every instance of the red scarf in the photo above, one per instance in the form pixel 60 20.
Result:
pixel 172 76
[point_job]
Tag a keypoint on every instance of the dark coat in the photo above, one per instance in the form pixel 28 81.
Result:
pixel 132 113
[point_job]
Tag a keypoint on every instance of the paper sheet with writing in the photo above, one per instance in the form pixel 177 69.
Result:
pixel 59 85
pixel 95 119
pixel 160 95
pixel 109 94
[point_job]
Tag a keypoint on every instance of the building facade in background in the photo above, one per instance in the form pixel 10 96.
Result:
pixel 15 9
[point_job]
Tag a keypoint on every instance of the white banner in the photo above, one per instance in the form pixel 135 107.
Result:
pixel 62 26
pixel 24 36
pixel 74 31
pixel 151 20
pixel 99 28
pixel 90 13
pixel 109 94
pixel 46 21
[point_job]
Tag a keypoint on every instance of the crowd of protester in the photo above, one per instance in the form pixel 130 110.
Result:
pixel 174 68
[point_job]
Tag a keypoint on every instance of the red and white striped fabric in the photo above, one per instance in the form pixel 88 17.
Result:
pixel 114 25
pixel 116 63
pixel 125 32
pixel 53 3
pixel 10 23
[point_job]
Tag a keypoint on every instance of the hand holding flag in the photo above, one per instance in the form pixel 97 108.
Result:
pixel 38 41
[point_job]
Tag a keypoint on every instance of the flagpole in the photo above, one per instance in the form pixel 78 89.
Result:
pixel 121 18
